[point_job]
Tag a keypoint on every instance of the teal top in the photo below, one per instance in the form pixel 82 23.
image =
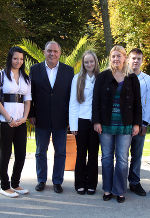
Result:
pixel 117 127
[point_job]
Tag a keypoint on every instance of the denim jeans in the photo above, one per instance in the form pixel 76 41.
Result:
pixel 42 142
pixel 115 178
pixel 137 144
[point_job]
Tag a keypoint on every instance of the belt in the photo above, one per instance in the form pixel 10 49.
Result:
pixel 13 98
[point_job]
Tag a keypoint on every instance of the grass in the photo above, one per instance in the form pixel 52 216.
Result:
pixel 146 150
pixel 31 146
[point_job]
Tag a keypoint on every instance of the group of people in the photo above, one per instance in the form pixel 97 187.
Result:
pixel 110 108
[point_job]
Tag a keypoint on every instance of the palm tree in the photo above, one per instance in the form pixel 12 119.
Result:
pixel 74 59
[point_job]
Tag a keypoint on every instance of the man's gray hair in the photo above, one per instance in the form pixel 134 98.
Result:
pixel 52 42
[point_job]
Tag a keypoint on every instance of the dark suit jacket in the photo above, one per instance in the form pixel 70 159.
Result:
pixel 50 106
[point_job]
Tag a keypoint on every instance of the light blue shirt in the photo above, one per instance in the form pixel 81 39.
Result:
pixel 144 80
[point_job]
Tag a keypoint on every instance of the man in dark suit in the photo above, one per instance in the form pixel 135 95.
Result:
pixel 51 82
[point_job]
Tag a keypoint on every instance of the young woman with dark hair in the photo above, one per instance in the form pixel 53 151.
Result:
pixel 80 111
pixel 9 64
pixel 13 115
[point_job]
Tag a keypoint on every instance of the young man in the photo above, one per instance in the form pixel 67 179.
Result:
pixel 135 60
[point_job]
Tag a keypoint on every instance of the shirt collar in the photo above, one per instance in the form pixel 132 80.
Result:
pixel 139 74
pixel 91 79
pixel 12 74
pixel 56 67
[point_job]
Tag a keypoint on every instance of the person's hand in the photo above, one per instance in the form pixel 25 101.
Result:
pixel 135 130
pixel 20 121
pixel 13 123
pixel 143 130
pixel 98 128
pixel 32 120
pixel 74 132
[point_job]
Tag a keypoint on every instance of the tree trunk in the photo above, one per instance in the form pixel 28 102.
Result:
pixel 106 25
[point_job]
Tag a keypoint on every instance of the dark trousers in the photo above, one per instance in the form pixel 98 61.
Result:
pixel 86 172
pixel 17 136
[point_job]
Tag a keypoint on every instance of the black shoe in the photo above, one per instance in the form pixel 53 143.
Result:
pixel 137 189
pixel 120 199
pixel 40 186
pixel 91 191
pixel 81 191
pixel 107 197
pixel 57 188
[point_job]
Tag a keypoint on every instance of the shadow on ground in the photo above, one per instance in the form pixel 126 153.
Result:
pixel 71 205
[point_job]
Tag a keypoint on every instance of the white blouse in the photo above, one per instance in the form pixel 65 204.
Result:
pixel 83 110
pixel 15 109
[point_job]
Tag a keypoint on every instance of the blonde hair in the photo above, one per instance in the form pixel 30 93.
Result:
pixel 82 76
pixel 125 70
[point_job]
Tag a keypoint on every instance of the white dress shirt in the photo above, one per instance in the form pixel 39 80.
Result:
pixel 52 73
pixel 15 109
pixel 144 80
pixel 83 110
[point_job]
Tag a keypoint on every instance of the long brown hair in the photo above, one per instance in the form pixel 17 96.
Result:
pixel 82 76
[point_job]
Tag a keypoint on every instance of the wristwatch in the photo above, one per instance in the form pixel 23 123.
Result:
pixel 11 119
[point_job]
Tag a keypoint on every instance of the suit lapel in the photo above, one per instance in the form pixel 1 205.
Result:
pixel 59 76
pixel 44 75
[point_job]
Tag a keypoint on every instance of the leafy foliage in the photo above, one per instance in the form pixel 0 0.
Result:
pixel 130 23
pixel 28 64
pixel 64 21
pixel 74 59
pixel 32 49
pixel 104 63
pixel 11 28
pixel 95 26
pixel 67 21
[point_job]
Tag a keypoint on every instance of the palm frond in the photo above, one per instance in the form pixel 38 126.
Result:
pixel 104 63
pixel 74 59
pixel 63 58
pixel 32 49
pixel 77 67
pixel 28 64
pixel 76 54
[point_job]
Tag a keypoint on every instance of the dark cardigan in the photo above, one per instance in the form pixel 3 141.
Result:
pixel 130 99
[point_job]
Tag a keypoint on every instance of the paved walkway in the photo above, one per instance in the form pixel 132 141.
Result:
pixel 69 204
